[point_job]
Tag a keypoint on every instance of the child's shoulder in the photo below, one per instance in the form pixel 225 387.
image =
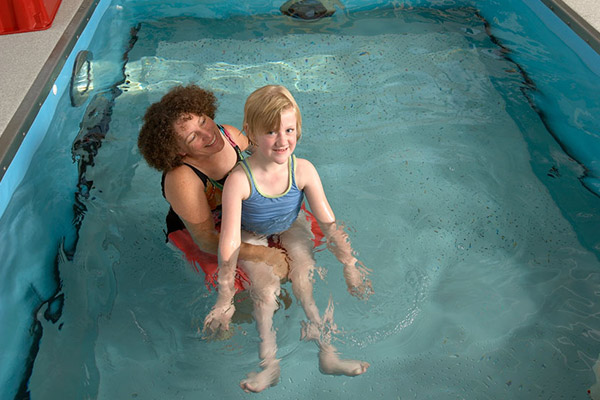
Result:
pixel 238 170
pixel 237 181
pixel 303 163
pixel 306 173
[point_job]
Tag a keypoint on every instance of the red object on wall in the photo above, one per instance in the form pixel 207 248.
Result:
pixel 18 16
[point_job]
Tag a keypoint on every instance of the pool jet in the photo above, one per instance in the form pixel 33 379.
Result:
pixel 310 9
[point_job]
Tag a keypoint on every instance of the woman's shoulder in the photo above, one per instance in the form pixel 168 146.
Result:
pixel 232 130
pixel 183 175
pixel 237 136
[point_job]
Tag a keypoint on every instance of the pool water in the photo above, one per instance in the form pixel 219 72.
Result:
pixel 429 151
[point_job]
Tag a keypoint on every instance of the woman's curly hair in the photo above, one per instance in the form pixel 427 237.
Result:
pixel 157 140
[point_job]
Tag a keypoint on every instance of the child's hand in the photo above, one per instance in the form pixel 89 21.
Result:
pixel 217 321
pixel 356 278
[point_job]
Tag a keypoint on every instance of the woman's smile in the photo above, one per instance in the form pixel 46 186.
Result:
pixel 214 139
pixel 199 136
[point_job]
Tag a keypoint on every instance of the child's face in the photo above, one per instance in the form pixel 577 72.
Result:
pixel 278 145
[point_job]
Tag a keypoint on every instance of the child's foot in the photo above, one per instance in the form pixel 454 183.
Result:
pixel 330 364
pixel 259 381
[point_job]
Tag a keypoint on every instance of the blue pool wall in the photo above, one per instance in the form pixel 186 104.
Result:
pixel 36 219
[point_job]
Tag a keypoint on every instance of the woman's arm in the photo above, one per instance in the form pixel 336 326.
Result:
pixel 185 193
pixel 338 242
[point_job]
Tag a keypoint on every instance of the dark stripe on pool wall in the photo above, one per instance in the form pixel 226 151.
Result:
pixel 528 85
pixel 94 127
pixel 53 313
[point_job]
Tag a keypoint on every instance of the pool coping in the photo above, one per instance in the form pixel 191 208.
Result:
pixel 576 22
pixel 21 121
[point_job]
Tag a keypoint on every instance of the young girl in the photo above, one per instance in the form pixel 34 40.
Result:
pixel 263 196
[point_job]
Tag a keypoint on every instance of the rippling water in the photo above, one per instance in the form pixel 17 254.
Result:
pixel 414 120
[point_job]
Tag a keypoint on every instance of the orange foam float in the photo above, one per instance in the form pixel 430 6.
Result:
pixel 19 16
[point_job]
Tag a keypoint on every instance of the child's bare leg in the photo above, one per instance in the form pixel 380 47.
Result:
pixel 329 360
pixel 298 245
pixel 264 289
pixel 331 364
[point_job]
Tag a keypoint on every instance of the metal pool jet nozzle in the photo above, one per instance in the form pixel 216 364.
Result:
pixel 309 9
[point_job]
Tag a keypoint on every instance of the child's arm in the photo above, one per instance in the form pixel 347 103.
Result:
pixel 355 273
pixel 234 189
pixel 185 192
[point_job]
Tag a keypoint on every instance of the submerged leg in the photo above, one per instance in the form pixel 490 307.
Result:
pixel 329 360
pixel 297 241
pixel 298 245
pixel 264 289
pixel 331 364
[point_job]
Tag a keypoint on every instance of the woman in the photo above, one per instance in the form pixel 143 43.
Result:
pixel 180 138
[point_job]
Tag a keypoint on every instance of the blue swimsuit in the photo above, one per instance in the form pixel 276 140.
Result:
pixel 267 215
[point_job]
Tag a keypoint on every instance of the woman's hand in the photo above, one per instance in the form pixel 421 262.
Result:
pixel 359 285
pixel 217 321
pixel 277 259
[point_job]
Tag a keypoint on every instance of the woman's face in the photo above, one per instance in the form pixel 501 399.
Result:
pixel 198 136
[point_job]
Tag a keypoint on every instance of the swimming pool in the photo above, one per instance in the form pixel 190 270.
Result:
pixel 483 240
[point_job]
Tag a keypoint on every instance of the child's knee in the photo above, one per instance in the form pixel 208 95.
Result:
pixel 301 283
pixel 264 299
pixel 302 271
pixel 266 289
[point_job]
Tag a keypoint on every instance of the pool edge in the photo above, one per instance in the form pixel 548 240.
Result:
pixel 576 22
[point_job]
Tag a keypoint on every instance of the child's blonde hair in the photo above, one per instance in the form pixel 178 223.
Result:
pixel 262 112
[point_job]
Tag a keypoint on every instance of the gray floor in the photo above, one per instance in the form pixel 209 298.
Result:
pixel 588 10
pixel 23 55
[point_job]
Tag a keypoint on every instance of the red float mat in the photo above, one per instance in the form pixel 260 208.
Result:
pixel 18 16
pixel 209 263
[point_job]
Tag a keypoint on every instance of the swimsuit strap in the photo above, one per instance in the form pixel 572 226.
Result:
pixel 200 174
pixel 254 186
pixel 218 183
pixel 233 144
pixel 244 164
